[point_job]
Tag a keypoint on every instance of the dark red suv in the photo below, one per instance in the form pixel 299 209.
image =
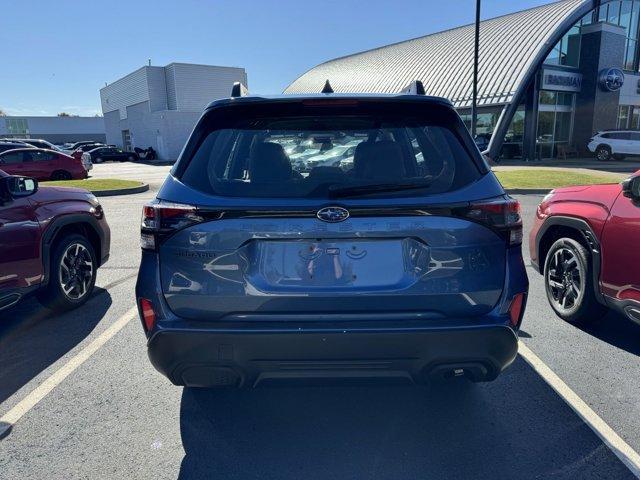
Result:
pixel 586 243
pixel 42 164
pixel 52 241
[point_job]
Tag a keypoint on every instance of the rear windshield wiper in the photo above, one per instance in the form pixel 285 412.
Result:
pixel 337 190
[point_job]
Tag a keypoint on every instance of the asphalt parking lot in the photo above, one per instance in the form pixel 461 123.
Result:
pixel 114 416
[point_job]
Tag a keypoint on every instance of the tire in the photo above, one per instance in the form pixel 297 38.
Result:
pixel 568 281
pixel 61 175
pixel 131 158
pixel 97 160
pixel 603 153
pixel 56 295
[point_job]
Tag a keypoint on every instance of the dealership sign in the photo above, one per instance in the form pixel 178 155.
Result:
pixel 611 79
pixel 561 81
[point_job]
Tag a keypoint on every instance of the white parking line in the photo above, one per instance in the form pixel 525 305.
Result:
pixel 42 390
pixel 611 439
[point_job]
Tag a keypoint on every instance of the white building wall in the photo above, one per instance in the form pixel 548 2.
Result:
pixel 170 82
pixel 198 85
pixel 57 125
pixel 170 130
pixel 161 105
pixel 157 88
pixel 128 90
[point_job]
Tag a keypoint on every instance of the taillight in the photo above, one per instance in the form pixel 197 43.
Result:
pixel 501 214
pixel 161 219
pixel 148 315
pixel 515 309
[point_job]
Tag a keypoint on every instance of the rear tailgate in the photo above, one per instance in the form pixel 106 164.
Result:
pixel 432 265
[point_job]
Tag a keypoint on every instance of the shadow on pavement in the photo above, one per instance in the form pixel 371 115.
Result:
pixel 32 338
pixel 515 427
pixel 616 330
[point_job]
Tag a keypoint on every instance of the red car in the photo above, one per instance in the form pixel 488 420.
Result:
pixel 586 243
pixel 42 164
pixel 52 241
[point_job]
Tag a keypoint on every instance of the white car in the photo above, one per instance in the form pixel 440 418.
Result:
pixel 86 161
pixel 615 144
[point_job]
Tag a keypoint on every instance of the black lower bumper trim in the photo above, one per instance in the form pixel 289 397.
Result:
pixel 208 358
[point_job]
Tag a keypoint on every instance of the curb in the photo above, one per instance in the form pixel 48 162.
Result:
pixel 122 191
pixel 528 191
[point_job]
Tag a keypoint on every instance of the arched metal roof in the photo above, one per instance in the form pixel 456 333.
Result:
pixel 443 61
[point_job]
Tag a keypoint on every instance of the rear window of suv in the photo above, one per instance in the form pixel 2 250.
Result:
pixel 328 156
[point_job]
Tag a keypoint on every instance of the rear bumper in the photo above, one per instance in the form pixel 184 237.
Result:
pixel 246 358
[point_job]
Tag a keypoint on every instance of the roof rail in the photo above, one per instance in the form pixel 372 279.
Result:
pixel 239 90
pixel 414 88
pixel 327 87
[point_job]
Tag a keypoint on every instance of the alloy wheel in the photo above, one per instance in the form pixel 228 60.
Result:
pixel 76 271
pixel 565 280
pixel 603 154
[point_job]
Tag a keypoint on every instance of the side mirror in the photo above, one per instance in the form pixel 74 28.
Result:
pixel 631 188
pixel 17 186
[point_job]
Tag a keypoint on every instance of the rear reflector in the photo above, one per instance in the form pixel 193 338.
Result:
pixel 148 315
pixel 515 309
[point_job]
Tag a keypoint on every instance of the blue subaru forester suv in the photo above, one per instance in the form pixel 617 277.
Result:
pixel 330 237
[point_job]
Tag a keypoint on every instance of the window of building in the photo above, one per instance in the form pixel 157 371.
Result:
pixel 512 146
pixel 17 126
pixel 628 117
pixel 626 14
pixel 555 122
pixel 567 50
pixel 613 14
pixel 486 121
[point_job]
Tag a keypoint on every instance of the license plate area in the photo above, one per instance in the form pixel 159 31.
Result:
pixel 335 265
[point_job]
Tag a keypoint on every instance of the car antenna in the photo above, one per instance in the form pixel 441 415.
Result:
pixel 239 90
pixel 327 87
pixel 414 88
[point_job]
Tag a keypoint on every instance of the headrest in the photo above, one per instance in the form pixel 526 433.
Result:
pixel 269 163
pixel 378 160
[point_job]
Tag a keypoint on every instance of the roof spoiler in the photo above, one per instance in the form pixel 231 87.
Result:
pixel 414 88
pixel 239 90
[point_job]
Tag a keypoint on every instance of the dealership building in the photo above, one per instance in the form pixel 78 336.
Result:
pixel 159 106
pixel 549 77
pixel 53 129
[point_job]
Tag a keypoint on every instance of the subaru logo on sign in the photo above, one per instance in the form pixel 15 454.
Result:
pixel 333 214
pixel 611 79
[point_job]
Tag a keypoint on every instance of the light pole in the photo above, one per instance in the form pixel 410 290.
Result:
pixel 476 51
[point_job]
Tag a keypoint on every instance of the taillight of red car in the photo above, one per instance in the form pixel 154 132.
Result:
pixel 501 214
pixel 162 219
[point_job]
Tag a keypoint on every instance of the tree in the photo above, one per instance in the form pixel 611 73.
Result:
pixel 64 114
pixel 2 113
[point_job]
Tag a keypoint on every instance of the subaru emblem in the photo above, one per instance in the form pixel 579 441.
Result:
pixel 333 214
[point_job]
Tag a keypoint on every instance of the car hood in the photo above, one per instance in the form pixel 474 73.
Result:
pixel 45 193
pixel 603 194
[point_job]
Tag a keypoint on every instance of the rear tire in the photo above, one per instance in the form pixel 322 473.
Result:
pixel 61 175
pixel 568 279
pixel 72 274
pixel 603 153
pixel 97 160
pixel 131 158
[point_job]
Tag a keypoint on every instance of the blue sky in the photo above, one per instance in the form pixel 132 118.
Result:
pixel 57 54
